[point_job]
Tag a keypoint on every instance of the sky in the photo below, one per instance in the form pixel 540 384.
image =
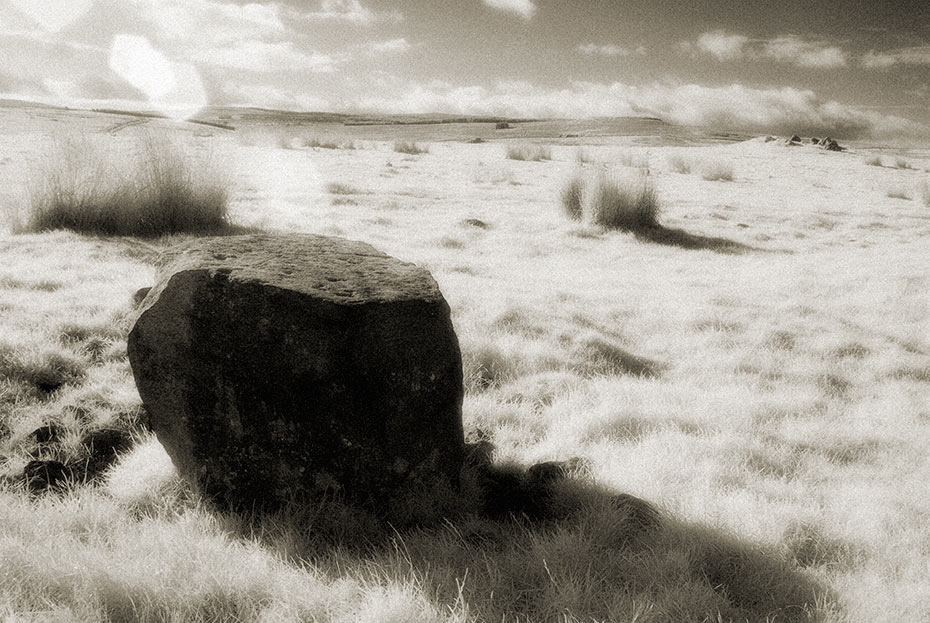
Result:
pixel 850 68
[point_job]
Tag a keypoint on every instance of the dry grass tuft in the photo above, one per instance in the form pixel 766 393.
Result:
pixel 413 149
pixel 874 161
pixel 680 164
pixel 634 161
pixel 717 172
pixel 573 197
pixel 152 190
pixel 315 142
pixel 340 188
pixel 628 203
pixel 583 156
pixel 923 192
pixel 531 153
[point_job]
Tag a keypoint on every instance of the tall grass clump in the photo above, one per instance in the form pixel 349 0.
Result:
pixel 413 149
pixel 531 153
pixel 573 198
pixel 147 188
pixel 874 161
pixel 626 203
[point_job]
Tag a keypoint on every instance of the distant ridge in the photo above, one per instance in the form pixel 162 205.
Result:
pixel 17 103
pixel 224 117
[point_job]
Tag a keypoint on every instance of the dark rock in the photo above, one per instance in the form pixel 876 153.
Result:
pixel 139 296
pixel 769 139
pixel 476 141
pixel 502 125
pixel 794 139
pixel 832 145
pixel 42 475
pixel 815 140
pixel 276 368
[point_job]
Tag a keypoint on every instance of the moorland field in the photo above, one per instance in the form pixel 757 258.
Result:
pixel 756 367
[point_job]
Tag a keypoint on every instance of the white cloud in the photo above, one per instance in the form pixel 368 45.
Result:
pixel 524 8
pixel 919 55
pixel 792 49
pixel 786 49
pixel 351 11
pixel 209 22
pixel 53 15
pixel 392 46
pixel 609 50
pixel 250 37
pixel 239 94
pixel 724 46
pixel 879 60
pixel 260 56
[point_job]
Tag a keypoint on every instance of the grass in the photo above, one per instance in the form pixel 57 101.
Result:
pixel 315 142
pixel 341 188
pixel 711 171
pixel 922 193
pixel 626 203
pixel 898 194
pixel 680 164
pixel 413 149
pixel 148 188
pixel 573 198
pixel 874 161
pixel 635 161
pixel 583 156
pixel 529 152
pixel 771 404
pixel 901 163
pixel 716 171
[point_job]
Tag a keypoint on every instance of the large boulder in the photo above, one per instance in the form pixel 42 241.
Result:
pixel 283 368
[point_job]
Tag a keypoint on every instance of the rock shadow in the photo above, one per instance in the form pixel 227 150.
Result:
pixel 547 543
pixel 680 238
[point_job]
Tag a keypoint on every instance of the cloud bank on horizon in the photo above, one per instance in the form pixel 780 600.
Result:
pixel 513 58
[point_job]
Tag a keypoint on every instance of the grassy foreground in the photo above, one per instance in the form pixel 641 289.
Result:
pixel 761 374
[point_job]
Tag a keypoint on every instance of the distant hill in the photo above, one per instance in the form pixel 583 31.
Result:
pixel 223 115
pixel 252 113
pixel 15 103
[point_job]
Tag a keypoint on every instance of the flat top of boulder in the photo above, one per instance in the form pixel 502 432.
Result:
pixel 344 271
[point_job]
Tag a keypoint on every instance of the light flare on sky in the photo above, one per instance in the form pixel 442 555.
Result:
pixel 173 88
pixel 53 15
